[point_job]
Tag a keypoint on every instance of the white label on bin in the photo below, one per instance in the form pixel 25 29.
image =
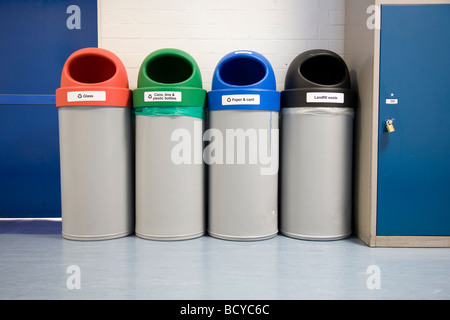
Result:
pixel 391 101
pixel 73 96
pixel 171 96
pixel 324 97
pixel 232 99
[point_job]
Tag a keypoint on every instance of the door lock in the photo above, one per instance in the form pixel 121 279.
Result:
pixel 390 125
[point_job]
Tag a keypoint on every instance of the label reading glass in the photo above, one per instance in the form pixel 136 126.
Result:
pixel 73 96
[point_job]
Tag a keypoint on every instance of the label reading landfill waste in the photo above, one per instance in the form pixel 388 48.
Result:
pixel 234 99
pixel 171 96
pixel 324 97
pixel 74 96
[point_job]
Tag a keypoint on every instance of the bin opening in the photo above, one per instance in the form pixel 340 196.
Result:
pixel 323 70
pixel 242 71
pixel 169 69
pixel 92 68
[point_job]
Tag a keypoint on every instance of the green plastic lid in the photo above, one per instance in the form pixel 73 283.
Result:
pixel 169 78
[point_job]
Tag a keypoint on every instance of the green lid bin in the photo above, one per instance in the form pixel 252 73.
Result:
pixel 169 84
pixel 169 108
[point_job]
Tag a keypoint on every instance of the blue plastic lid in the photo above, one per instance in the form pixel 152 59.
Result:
pixel 244 80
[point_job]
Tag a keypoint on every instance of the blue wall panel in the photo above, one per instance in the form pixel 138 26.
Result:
pixel 414 161
pixel 35 43
pixel 29 166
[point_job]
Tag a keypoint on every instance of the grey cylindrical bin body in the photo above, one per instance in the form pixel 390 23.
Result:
pixel 316 148
pixel 169 105
pixel 243 130
pixel 242 198
pixel 170 200
pixel 96 172
pixel 96 147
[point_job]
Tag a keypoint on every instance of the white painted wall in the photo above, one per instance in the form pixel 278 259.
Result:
pixel 209 29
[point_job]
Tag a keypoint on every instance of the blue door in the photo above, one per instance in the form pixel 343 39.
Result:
pixel 414 160
pixel 36 38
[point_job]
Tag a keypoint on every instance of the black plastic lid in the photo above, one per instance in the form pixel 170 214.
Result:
pixel 317 78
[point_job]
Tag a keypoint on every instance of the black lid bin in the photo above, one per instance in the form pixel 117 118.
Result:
pixel 317 111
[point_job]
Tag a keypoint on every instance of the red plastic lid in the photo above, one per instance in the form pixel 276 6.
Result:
pixel 93 77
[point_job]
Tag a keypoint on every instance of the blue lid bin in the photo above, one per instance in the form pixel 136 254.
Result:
pixel 244 80
pixel 242 154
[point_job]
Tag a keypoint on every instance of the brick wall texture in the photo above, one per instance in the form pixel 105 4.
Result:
pixel 209 29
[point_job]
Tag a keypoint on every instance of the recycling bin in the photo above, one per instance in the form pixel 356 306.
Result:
pixel 242 154
pixel 317 111
pixel 95 133
pixel 169 107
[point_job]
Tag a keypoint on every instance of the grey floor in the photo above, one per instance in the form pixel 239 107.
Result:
pixel 45 266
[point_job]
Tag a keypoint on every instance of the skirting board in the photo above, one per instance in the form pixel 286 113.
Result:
pixel 409 241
